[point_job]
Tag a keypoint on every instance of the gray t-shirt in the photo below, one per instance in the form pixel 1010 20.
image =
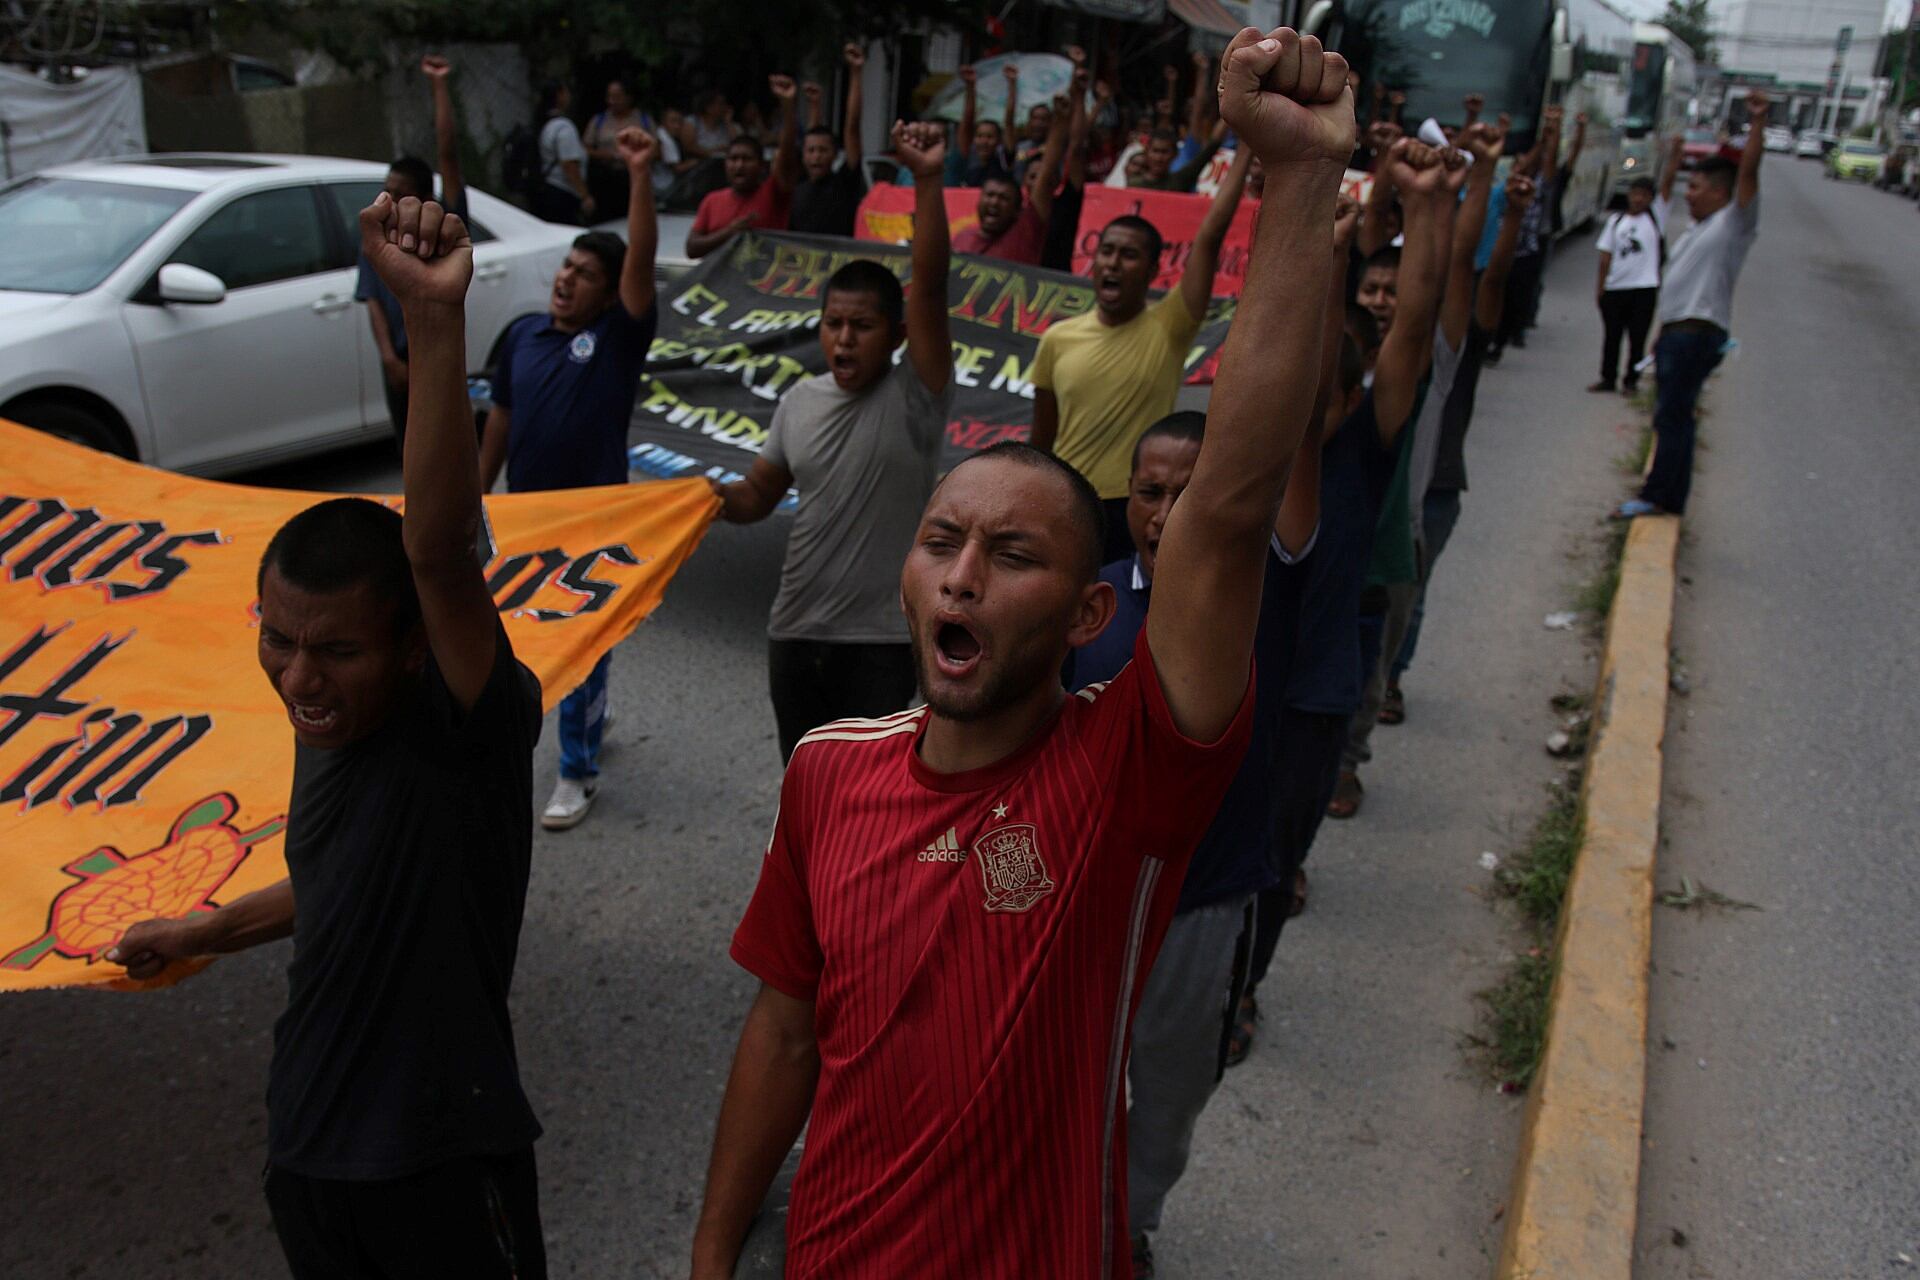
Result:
pixel 559 143
pixel 864 464
pixel 1704 263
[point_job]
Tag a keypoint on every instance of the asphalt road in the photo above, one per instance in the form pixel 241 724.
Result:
pixel 1359 1141
pixel 1783 1119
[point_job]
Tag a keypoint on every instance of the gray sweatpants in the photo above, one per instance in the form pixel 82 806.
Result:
pixel 1178 1038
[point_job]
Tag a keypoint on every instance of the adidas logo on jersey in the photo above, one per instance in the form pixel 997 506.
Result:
pixel 945 849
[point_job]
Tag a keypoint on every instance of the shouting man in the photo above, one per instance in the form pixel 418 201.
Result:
pixel 399 1142
pixel 959 901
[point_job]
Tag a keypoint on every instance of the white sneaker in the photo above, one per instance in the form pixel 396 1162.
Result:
pixel 572 797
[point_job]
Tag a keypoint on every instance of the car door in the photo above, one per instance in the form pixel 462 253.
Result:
pixel 271 369
pixel 492 298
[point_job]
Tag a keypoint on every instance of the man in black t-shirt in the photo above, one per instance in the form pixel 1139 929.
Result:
pixel 826 202
pixel 399 1141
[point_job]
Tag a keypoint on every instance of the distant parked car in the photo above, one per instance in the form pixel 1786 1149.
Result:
pixel 1856 158
pixel 1810 146
pixel 196 312
pixel 1778 138
pixel 1697 145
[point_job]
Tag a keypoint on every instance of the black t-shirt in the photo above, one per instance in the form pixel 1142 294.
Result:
pixel 1456 415
pixel 409 853
pixel 1355 470
pixel 827 206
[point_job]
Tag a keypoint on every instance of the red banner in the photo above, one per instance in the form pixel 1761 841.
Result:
pixel 887 213
pixel 1178 215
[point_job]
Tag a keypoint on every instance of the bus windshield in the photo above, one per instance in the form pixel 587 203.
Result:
pixel 1438 51
pixel 1645 89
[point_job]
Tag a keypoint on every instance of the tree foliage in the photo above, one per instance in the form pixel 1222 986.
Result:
pixel 1690 21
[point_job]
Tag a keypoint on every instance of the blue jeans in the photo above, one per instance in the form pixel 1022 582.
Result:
pixel 583 715
pixel 1439 512
pixel 1682 362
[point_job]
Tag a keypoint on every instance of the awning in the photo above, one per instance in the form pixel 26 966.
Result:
pixel 1209 15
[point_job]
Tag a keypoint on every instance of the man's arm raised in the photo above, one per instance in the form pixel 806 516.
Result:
pixel 639 149
pixel 1300 508
pixel 855 55
pixel 1289 103
pixel 446 134
pixel 1492 298
pixel 786 151
pixel 922 148
pixel 1196 281
pixel 1483 143
pixel 1747 185
pixel 1419 173
pixel 426 257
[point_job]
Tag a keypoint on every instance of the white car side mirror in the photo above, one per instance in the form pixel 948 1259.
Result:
pixel 182 283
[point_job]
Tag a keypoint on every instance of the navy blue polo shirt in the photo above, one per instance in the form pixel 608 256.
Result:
pixel 1236 857
pixel 571 397
pixel 1355 470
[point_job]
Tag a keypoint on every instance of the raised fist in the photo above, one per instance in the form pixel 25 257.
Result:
pixel 921 147
pixel 1580 121
pixel 854 54
pixel 811 92
pixel 782 86
pixel 1011 70
pixel 1482 141
pixel 1346 221
pixel 1287 98
pixel 1102 91
pixel 1076 55
pixel 1381 135
pixel 1202 63
pixel 638 148
pixel 1454 162
pixel 1398 98
pixel 435 67
pixel 1554 115
pixel 1170 73
pixel 1757 104
pixel 1520 193
pixel 421 252
pixel 969 77
pixel 1414 168
pixel 1474 103
pixel 1062 103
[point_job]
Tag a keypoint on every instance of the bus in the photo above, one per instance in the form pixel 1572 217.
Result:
pixel 1523 55
pixel 1661 85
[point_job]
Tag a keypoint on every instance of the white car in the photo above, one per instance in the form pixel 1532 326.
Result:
pixel 1809 147
pixel 196 312
pixel 1778 138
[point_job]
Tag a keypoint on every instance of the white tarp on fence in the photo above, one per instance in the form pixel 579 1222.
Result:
pixel 45 124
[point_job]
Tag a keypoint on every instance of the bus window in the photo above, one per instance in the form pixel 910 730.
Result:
pixel 1438 51
pixel 1645 89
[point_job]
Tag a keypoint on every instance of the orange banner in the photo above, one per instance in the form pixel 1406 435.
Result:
pixel 144 759
pixel 886 212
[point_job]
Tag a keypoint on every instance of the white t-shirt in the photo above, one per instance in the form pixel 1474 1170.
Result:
pixel 559 143
pixel 1634 241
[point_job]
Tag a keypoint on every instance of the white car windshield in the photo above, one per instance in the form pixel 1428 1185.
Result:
pixel 66 235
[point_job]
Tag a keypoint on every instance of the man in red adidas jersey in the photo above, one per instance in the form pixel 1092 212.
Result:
pixel 959 902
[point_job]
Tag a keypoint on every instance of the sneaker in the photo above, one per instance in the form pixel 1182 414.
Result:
pixel 571 799
pixel 1142 1257
pixel 1633 509
pixel 1604 385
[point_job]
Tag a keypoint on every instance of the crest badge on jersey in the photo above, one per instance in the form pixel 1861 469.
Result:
pixel 581 349
pixel 1010 866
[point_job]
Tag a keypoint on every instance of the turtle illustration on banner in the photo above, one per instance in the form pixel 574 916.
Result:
pixel 201 851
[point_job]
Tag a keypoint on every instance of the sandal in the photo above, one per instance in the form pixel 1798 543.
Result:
pixel 1246 1020
pixel 1299 902
pixel 1346 795
pixel 1393 707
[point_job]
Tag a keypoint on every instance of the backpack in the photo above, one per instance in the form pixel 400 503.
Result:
pixel 520 168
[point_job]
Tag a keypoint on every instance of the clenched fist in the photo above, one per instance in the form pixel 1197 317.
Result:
pixel 1287 98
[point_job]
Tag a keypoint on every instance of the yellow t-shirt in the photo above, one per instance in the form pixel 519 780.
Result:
pixel 1112 383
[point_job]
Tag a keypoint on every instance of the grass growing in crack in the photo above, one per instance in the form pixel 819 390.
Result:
pixel 1594 597
pixel 1634 461
pixel 1514 1011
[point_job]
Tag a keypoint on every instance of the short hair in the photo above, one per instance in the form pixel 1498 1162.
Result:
pixel 1088 513
pixel 1134 222
pixel 341 543
pixel 1164 134
pixel 1385 258
pixel 418 174
pixel 550 95
pixel 1185 424
pixel 1362 325
pixel 704 100
pixel 821 131
pixel 1641 184
pixel 987 124
pixel 1720 171
pixel 864 275
pixel 739 141
pixel 606 246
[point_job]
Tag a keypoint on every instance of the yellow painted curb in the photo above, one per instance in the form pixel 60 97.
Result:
pixel 1576 1183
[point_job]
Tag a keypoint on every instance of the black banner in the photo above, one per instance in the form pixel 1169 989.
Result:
pixel 740 330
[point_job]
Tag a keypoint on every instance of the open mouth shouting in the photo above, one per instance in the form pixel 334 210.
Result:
pixel 1107 286
pixel 312 718
pixel 956 646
